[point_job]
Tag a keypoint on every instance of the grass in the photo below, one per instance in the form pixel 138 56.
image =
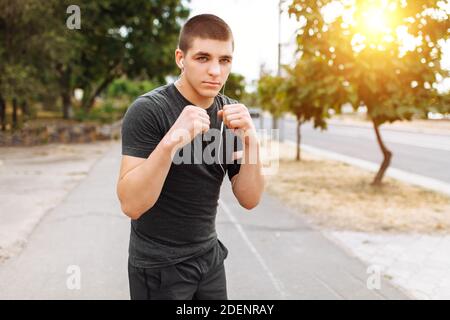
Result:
pixel 338 196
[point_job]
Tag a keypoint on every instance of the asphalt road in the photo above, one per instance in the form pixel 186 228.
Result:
pixel 427 155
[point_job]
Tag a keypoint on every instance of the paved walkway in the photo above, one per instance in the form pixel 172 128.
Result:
pixel 419 263
pixel 274 254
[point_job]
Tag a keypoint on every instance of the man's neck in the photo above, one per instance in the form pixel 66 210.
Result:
pixel 189 93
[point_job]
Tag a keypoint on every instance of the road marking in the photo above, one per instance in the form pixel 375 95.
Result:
pixel 414 139
pixel 252 248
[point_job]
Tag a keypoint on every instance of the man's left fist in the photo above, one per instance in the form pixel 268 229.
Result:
pixel 236 117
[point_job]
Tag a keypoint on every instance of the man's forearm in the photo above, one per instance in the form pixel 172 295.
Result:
pixel 139 189
pixel 249 183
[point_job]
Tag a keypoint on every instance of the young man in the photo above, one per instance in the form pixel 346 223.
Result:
pixel 174 252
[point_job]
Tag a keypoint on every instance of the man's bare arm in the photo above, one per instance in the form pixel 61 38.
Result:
pixel 248 184
pixel 141 180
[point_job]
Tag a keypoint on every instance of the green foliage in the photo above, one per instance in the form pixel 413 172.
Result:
pixel 393 83
pixel 120 37
pixel 360 56
pixel 109 111
pixel 20 67
pixel 309 91
pixel 41 59
pixel 271 95
pixel 235 86
pixel 250 99
pixel 125 88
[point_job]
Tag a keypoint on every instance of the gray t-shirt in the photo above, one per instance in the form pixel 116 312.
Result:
pixel 181 224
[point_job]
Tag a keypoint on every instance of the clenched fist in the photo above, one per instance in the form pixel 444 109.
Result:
pixel 192 121
pixel 236 117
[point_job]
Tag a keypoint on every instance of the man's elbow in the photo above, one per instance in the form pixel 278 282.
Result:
pixel 246 201
pixel 249 205
pixel 129 210
pixel 132 214
pixel 133 209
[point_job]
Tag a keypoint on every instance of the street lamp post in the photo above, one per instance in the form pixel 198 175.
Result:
pixel 280 11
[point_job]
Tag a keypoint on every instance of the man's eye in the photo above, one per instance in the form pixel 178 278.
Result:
pixel 226 60
pixel 202 59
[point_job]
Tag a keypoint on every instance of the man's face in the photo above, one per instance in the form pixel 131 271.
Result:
pixel 207 65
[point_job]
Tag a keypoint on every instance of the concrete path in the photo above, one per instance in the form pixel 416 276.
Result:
pixel 274 254
pixel 419 263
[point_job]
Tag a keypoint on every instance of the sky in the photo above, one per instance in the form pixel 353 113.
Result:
pixel 256 34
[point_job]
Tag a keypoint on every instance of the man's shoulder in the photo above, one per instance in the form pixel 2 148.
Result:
pixel 154 97
pixel 152 101
pixel 160 92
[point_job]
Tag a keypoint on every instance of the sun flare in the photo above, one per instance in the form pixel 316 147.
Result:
pixel 374 22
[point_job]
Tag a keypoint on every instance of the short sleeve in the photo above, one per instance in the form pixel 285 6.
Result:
pixel 140 129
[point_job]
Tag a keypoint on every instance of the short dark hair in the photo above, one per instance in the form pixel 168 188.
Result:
pixel 204 26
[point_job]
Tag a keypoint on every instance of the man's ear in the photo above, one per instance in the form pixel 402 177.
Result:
pixel 180 63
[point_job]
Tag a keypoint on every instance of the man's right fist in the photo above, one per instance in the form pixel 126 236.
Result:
pixel 192 121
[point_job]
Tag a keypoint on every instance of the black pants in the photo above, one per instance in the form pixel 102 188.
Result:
pixel 201 278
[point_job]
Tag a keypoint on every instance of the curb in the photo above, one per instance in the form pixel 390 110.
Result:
pixel 412 178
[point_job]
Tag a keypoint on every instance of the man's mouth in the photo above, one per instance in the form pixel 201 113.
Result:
pixel 212 83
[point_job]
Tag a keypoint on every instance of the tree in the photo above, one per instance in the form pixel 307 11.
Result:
pixel 250 98
pixel 128 89
pixel 270 97
pixel 309 92
pixel 365 48
pixel 119 37
pixel 21 54
pixel 42 56
pixel 235 86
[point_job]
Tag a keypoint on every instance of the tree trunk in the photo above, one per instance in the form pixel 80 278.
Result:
pixel 274 122
pixel 66 93
pixel 261 119
pixel 14 114
pixel 386 154
pixel 25 110
pixel 89 99
pixel 281 126
pixel 2 113
pixel 66 104
pixel 65 73
pixel 299 123
pixel 88 103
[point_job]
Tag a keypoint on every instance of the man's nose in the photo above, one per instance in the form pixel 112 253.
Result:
pixel 214 69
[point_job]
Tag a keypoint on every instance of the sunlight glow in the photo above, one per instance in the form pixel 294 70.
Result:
pixel 374 21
